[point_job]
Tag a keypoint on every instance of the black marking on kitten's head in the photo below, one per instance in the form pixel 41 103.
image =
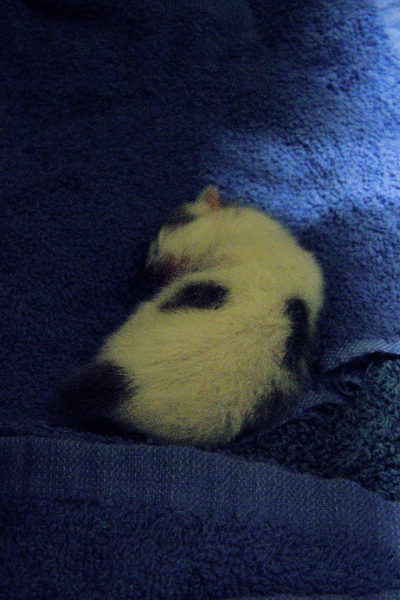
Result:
pixel 297 348
pixel 90 395
pixel 201 295
pixel 178 217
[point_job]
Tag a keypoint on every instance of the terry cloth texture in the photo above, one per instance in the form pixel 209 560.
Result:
pixel 113 112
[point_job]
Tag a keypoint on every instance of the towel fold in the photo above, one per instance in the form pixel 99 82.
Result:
pixel 144 522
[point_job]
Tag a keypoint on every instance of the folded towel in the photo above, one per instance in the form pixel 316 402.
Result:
pixel 113 113
pixel 112 521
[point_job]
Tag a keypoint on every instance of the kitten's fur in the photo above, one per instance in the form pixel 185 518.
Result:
pixel 225 337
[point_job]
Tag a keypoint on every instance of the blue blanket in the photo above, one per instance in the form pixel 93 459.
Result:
pixel 113 112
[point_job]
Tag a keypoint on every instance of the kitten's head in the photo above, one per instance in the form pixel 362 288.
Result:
pixel 188 238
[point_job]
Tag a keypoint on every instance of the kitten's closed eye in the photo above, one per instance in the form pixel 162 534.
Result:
pixel 162 272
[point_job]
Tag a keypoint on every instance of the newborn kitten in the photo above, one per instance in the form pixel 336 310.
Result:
pixel 225 338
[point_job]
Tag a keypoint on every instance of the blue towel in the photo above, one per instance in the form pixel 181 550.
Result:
pixel 91 520
pixel 113 112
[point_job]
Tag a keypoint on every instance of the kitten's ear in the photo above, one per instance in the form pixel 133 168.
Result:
pixel 210 196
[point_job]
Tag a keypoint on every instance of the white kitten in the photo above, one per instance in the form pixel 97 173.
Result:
pixel 223 341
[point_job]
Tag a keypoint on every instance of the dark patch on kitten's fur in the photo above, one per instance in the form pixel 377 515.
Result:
pixel 202 295
pixel 268 412
pixel 178 217
pixel 298 342
pixel 161 273
pixel 93 391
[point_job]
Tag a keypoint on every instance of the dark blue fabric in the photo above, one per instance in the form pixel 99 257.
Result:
pixel 113 112
pixel 143 522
